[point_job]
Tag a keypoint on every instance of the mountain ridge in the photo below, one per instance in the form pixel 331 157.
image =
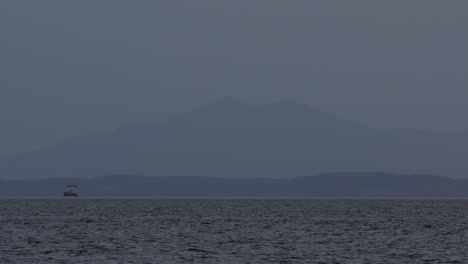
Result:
pixel 229 138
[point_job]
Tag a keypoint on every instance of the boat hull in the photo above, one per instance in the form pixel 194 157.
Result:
pixel 70 195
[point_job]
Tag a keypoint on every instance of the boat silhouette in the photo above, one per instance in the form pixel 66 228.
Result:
pixel 71 191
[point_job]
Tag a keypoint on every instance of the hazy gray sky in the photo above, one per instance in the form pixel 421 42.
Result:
pixel 74 67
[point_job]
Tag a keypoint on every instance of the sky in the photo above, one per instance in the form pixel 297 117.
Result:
pixel 78 67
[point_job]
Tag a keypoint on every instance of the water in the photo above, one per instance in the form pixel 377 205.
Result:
pixel 233 231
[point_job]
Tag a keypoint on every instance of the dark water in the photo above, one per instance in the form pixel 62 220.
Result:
pixel 233 231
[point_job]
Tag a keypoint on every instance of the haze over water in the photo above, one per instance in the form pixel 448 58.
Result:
pixel 214 98
pixel 233 231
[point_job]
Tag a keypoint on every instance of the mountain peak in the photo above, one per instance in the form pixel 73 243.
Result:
pixel 228 100
pixel 224 104
pixel 291 106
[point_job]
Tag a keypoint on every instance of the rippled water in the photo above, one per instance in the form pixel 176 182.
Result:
pixel 233 231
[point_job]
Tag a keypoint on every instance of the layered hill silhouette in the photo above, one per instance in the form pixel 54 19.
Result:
pixel 232 139
pixel 372 184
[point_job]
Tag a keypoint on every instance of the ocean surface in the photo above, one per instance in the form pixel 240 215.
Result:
pixel 80 230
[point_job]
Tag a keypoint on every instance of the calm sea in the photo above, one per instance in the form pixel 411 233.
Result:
pixel 233 231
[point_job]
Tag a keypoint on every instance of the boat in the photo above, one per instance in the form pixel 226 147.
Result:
pixel 71 191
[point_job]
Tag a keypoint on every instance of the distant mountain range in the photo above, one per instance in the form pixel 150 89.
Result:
pixel 373 184
pixel 232 139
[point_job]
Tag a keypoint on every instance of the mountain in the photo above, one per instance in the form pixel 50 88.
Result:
pixel 372 184
pixel 229 138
